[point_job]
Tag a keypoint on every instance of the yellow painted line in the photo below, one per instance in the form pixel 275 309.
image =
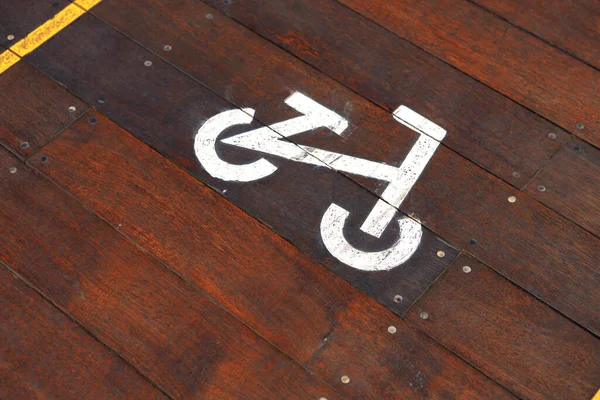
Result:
pixel 597 396
pixel 44 32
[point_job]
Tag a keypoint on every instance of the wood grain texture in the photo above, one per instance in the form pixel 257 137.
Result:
pixel 509 335
pixel 570 184
pixel 512 61
pixel 572 25
pixel 44 355
pixel 164 327
pixel 20 17
pixel 536 248
pixel 483 126
pixel 164 108
pixel 33 109
pixel 282 293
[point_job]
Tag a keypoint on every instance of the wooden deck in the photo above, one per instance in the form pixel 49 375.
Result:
pixel 143 258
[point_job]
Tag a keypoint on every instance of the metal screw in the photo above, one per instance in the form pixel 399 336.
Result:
pixel 467 269
pixel 516 174
pixel 472 242
pixel 392 329
pixel 72 109
pixel 93 121
pixel 542 188
pixel 397 298
pixel 552 136
pixel 148 63
pixel 167 47
pixel 512 199
pixel 424 315
pixel 441 254
pixel 102 100
pixel 24 145
pixel 12 170
pixel 580 126
pixel 577 149
pixel 11 37
pixel 345 379
pixel 209 16
pixel 44 158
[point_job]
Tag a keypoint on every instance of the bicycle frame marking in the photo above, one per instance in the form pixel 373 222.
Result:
pixel 271 140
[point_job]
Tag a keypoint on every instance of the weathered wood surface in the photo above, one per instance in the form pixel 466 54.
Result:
pixel 570 184
pixel 483 126
pixel 283 294
pixel 536 248
pixel 45 355
pixel 20 17
pixel 572 25
pixel 163 326
pixel 509 335
pixel 33 109
pixel 513 62
pixel 164 108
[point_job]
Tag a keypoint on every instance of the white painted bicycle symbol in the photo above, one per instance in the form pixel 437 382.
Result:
pixel 268 140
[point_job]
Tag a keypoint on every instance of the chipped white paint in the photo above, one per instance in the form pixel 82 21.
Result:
pixel 271 140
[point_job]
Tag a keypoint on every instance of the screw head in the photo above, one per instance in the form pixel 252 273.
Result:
pixel 10 37
pixel 541 188
pixel 101 99
pixel 577 149
pixel 209 16
pixel 424 315
pixel 167 48
pixel 12 170
pixel 472 242
pixel 148 63
pixel 516 174
pixel 552 135
pixel 466 269
pixel 72 109
pixel 397 298
pixel 441 253
pixel 579 126
pixel 392 329
pixel 512 199
pixel 345 379
pixel 93 121
pixel 24 145
pixel 44 158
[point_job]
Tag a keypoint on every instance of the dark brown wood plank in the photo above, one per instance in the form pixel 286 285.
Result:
pixel 164 108
pixel 572 25
pixel 282 293
pixel 162 325
pixel 484 126
pixel 45 355
pixel 570 184
pixel 509 335
pixel 19 17
pixel 512 61
pixel 33 109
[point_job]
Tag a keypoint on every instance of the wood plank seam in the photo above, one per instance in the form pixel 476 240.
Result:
pixel 179 69
pixel 557 47
pixel 45 32
pixel 166 266
pixel 81 326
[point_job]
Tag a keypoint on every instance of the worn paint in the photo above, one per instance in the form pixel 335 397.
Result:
pixel 272 140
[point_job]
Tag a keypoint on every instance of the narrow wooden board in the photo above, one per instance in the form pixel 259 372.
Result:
pixel 33 109
pixel 45 355
pixel 571 25
pixel 282 293
pixel 512 61
pixel 164 108
pixel 164 327
pixel 570 184
pixel 533 246
pixel 483 126
pixel 20 17
pixel 509 335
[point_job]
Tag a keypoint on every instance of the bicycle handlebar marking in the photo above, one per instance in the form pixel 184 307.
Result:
pixel 271 140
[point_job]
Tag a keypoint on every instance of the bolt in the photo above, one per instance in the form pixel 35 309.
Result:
pixel 542 188
pixel 11 37
pixel 424 315
pixel 512 199
pixel 397 298
pixel 24 145
pixel 72 109
pixel 345 379
pixel 392 329
pixel 441 254
pixel 167 48
pixel 580 126
pixel 148 63
pixel 12 170
pixel 466 269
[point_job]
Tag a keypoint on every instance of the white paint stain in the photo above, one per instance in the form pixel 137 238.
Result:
pixel 271 140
